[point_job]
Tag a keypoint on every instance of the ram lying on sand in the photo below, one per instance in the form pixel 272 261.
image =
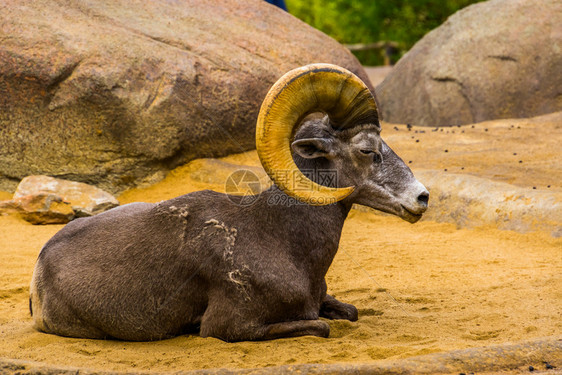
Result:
pixel 213 263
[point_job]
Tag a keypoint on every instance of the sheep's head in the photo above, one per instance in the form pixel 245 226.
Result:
pixel 326 118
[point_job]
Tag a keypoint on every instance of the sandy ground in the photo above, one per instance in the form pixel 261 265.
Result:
pixel 422 288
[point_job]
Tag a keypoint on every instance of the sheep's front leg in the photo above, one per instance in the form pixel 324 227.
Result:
pixel 297 328
pixel 243 331
pixel 231 319
pixel 331 308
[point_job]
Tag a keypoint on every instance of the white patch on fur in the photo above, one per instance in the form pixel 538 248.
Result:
pixel 237 276
pixel 182 212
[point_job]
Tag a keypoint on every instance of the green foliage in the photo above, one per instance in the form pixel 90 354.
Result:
pixel 367 21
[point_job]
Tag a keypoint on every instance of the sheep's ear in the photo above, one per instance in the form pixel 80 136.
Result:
pixel 310 148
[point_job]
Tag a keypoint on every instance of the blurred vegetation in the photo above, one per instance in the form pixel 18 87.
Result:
pixel 368 21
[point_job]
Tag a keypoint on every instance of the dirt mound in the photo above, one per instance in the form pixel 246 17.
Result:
pixel 503 173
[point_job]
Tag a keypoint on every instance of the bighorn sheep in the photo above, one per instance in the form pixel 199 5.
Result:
pixel 203 262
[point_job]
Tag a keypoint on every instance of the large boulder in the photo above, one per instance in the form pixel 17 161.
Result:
pixel 116 93
pixel 491 60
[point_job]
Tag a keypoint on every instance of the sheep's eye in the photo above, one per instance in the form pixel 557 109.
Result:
pixel 377 157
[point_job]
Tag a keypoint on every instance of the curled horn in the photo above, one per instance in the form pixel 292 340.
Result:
pixel 312 88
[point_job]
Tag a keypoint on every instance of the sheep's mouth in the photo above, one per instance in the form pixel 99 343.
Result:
pixel 410 216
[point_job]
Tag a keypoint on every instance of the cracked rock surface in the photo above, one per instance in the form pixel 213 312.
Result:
pixel 492 60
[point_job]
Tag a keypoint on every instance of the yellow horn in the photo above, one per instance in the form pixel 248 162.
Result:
pixel 311 88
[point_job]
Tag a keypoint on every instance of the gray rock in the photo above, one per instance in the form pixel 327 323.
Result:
pixel 8 207
pixel 470 202
pixel 491 60
pixel 115 93
pixel 44 208
pixel 85 200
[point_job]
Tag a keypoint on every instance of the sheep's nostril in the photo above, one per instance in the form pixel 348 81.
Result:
pixel 423 198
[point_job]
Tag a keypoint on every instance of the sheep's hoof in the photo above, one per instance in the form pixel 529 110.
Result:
pixel 333 309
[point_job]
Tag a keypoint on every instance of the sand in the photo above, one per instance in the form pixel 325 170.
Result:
pixel 423 288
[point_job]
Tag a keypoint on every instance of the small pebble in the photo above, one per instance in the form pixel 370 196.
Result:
pixel 520 161
pixel 515 153
pixel 417 140
pixel 445 169
pixel 409 127
pixel 446 150
pixel 548 366
pixel 472 126
pixel 462 168
pixel 410 162
pixel 534 187
pixel 531 368
pixel 395 128
pixel 415 131
pixel 548 186
pixel 485 130
pixel 462 131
